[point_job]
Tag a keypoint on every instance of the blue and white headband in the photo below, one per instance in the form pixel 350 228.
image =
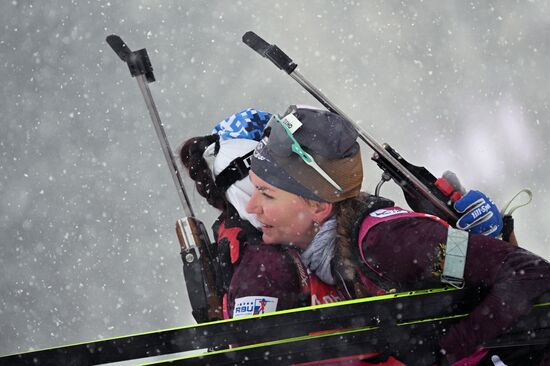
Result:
pixel 246 124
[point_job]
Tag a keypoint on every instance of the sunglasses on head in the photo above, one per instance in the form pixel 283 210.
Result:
pixel 285 143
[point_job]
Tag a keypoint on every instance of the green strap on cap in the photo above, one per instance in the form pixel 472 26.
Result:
pixel 455 258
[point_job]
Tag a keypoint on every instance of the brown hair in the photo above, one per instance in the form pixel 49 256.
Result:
pixel 191 155
pixel 346 257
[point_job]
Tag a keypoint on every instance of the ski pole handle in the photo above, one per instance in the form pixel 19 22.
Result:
pixel 118 45
pixel 138 61
pixel 269 51
pixel 285 63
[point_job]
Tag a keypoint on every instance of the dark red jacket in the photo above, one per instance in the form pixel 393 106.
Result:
pixel 405 252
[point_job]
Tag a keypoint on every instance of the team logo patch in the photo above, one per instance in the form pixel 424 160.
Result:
pixel 385 212
pixel 254 305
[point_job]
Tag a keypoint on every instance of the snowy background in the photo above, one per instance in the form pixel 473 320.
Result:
pixel 87 205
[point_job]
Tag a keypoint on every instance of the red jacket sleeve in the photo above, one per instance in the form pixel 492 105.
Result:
pixel 405 251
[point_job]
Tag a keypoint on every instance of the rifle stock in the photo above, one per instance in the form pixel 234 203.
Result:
pixel 200 259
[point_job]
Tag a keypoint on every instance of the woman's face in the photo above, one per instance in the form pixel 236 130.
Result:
pixel 285 217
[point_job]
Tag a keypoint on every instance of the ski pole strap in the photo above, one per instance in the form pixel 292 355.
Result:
pixel 455 258
pixel 507 211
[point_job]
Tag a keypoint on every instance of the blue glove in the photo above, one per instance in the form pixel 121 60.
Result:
pixel 480 214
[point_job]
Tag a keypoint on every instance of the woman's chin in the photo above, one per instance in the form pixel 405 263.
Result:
pixel 268 238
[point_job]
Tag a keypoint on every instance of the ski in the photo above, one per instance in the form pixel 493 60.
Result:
pixel 414 343
pixel 384 316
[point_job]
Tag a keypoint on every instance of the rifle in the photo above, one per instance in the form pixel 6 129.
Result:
pixel 199 255
pixel 423 192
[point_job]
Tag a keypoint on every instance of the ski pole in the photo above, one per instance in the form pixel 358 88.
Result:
pixel 141 68
pixel 415 181
pixel 198 254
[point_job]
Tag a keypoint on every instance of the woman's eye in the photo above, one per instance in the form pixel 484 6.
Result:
pixel 267 196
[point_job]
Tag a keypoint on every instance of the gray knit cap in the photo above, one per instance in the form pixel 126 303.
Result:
pixel 329 138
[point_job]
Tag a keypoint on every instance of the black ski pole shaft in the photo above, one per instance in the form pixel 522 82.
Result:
pixel 285 63
pixel 141 68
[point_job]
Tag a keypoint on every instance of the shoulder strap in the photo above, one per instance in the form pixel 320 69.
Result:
pixel 374 218
pixel 301 270
pixel 235 171
pixel 231 233
pixel 371 204
pixel 369 282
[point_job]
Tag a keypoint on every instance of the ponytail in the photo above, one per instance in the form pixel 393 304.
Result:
pixel 346 259
pixel 191 155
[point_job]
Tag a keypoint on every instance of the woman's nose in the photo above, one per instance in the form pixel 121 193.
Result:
pixel 252 206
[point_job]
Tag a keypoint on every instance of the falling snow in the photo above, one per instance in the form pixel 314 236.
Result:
pixel 87 206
